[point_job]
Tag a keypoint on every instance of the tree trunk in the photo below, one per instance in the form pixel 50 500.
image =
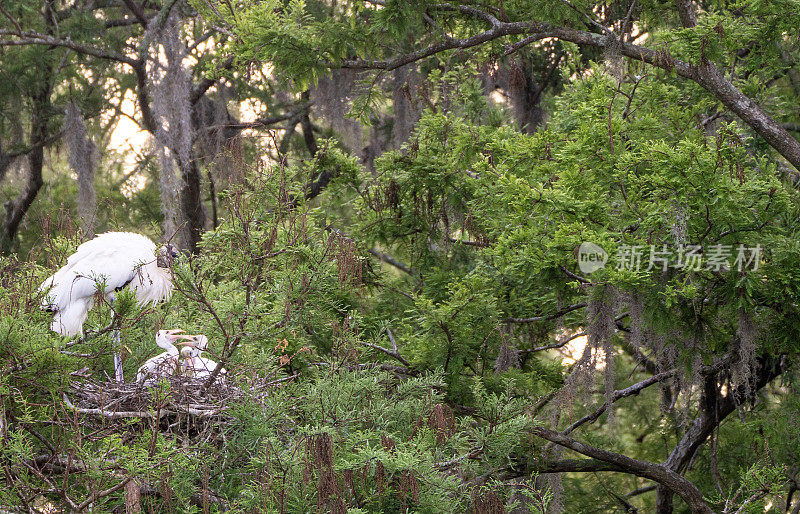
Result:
pixel 133 497
pixel 83 160
pixel 16 209
pixel 713 409
pixel 192 202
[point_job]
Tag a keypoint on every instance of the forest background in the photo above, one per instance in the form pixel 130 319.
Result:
pixel 381 206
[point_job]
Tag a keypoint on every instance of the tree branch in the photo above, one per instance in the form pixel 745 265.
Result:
pixel 201 87
pixel 577 466
pixel 714 409
pixel 391 353
pixel 666 477
pixel 11 18
pixel 388 259
pixel 136 10
pixel 265 122
pixel 34 38
pixel 706 74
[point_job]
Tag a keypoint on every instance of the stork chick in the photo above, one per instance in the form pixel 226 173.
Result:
pixel 196 365
pixel 165 364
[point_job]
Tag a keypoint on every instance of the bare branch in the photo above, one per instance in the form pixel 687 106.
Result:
pixel 577 466
pixel 265 122
pixel 101 494
pixel 393 353
pixel 11 19
pixel 499 29
pixel 553 346
pixel 641 490
pixel 388 259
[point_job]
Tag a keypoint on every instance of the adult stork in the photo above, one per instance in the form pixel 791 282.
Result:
pixel 195 364
pixel 165 364
pixel 106 264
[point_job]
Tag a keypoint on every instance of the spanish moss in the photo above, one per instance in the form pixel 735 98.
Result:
pixel 83 159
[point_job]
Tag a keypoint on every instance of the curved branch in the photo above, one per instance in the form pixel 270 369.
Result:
pixel 618 395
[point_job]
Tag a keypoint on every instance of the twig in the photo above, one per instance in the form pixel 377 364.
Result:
pixel 388 259
pixel 391 353
pixel 442 466
pixel 618 395
pixel 559 344
pixel 96 496
pixel 547 317
pixel 642 490
pixel 11 19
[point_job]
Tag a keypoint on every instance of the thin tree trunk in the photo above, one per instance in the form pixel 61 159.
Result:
pixel 212 193
pixel 308 128
pixel 83 160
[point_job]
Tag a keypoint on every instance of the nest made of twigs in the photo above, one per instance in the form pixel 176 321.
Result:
pixel 169 396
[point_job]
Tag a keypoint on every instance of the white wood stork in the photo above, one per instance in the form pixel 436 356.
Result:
pixel 109 262
pixel 196 365
pixel 166 363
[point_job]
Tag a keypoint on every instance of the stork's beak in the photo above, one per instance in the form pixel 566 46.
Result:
pixel 175 337
pixel 191 340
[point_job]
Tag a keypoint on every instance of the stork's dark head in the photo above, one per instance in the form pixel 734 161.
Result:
pixel 167 254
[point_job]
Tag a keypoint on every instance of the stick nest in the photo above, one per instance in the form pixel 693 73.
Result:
pixel 171 396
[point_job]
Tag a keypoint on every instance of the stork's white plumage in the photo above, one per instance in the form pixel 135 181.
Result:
pixel 165 364
pixel 112 261
pixel 195 364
